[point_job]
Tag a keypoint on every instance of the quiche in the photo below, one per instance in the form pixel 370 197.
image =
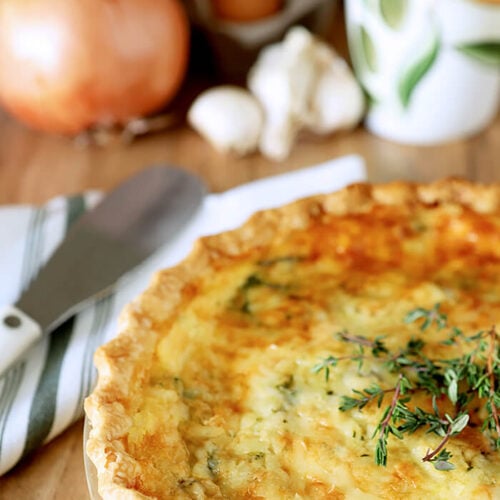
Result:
pixel 343 346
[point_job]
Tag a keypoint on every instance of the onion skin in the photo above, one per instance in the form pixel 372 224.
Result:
pixel 69 65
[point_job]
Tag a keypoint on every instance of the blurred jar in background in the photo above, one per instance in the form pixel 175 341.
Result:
pixel 245 11
pixel 236 30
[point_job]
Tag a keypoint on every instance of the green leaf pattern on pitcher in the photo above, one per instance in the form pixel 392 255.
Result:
pixel 487 52
pixel 359 59
pixel 413 74
pixel 393 12
pixel 369 51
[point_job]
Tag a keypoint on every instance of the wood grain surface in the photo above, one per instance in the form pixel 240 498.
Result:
pixel 34 167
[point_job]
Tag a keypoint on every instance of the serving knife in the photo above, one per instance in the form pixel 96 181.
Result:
pixel 121 231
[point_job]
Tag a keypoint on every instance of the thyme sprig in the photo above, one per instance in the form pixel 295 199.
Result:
pixel 470 383
pixel 429 317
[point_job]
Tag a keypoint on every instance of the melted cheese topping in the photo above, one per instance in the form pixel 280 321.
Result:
pixel 233 408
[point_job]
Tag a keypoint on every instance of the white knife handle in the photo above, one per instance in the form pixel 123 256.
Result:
pixel 17 332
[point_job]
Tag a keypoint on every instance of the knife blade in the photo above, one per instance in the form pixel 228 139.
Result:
pixel 120 232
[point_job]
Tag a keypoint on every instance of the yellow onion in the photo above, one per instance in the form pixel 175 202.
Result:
pixel 68 65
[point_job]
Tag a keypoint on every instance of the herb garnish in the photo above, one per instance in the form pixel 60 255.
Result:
pixel 471 383
pixel 255 281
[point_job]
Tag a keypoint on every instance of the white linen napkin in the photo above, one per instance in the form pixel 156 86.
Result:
pixel 43 393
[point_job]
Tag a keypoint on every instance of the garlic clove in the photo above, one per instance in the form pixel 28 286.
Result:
pixel 228 117
pixel 282 79
pixel 338 102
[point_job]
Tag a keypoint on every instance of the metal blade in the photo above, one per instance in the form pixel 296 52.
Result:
pixel 120 232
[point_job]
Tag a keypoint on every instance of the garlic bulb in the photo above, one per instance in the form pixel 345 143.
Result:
pixel 303 84
pixel 299 83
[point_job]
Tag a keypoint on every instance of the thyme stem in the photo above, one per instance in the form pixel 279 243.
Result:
pixel 431 454
pixel 489 363
pixel 357 339
pixel 395 397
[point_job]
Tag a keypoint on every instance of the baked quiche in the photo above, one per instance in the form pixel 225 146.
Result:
pixel 343 346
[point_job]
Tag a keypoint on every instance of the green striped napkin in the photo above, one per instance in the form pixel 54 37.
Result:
pixel 43 393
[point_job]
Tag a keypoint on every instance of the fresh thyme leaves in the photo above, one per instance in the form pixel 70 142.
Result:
pixel 429 316
pixel 492 423
pixel 459 389
pixel 442 461
pixel 377 346
pixel 454 427
pixel 372 393
pixel 386 425
pixel 328 362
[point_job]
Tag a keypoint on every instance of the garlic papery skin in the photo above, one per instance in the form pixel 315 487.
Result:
pixel 338 102
pixel 228 117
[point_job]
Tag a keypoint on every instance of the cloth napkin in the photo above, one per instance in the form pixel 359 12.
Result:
pixel 43 393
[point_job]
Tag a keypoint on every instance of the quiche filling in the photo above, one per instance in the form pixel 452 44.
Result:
pixel 357 357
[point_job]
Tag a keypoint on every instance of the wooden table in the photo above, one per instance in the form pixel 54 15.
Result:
pixel 35 167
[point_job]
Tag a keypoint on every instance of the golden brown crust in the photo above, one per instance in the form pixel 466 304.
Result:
pixel 123 363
